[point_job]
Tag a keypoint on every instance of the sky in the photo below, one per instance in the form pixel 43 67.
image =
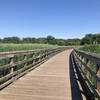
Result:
pixel 40 18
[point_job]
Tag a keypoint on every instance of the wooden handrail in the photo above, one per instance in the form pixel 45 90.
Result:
pixel 88 65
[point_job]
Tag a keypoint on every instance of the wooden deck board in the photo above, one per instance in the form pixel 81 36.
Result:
pixel 50 81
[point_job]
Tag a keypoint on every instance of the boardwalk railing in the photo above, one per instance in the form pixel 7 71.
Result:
pixel 88 69
pixel 15 64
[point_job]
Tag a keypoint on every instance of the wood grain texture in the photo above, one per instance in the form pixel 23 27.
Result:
pixel 50 81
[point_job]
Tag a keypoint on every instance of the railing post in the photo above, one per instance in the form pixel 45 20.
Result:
pixel 33 58
pixel 46 53
pixel 39 56
pixel 88 73
pixel 98 73
pixel 83 67
pixel 12 62
pixel 25 58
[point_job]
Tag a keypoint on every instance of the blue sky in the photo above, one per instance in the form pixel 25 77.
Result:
pixel 39 18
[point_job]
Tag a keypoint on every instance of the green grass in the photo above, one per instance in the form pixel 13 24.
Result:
pixel 17 47
pixel 91 48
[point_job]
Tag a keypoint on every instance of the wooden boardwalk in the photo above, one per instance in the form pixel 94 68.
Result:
pixel 49 81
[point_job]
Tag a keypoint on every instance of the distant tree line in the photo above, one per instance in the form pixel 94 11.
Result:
pixel 91 39
pixel 48 40
pixel 88 39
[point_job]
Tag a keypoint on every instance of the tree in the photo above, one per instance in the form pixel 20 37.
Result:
pixel 51 40
pixel 42 40
pixel 60 42
pixel 27 40
pixel 91 39
pixel 33 40
pixel 11 40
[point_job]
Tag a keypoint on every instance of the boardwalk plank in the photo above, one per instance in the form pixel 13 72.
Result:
pixel 50 81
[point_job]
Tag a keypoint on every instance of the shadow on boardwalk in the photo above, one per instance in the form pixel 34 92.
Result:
pixel 76 92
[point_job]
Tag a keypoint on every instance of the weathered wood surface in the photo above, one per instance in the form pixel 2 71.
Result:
pixel 89 67
pixel 50 81
pixel 14 67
